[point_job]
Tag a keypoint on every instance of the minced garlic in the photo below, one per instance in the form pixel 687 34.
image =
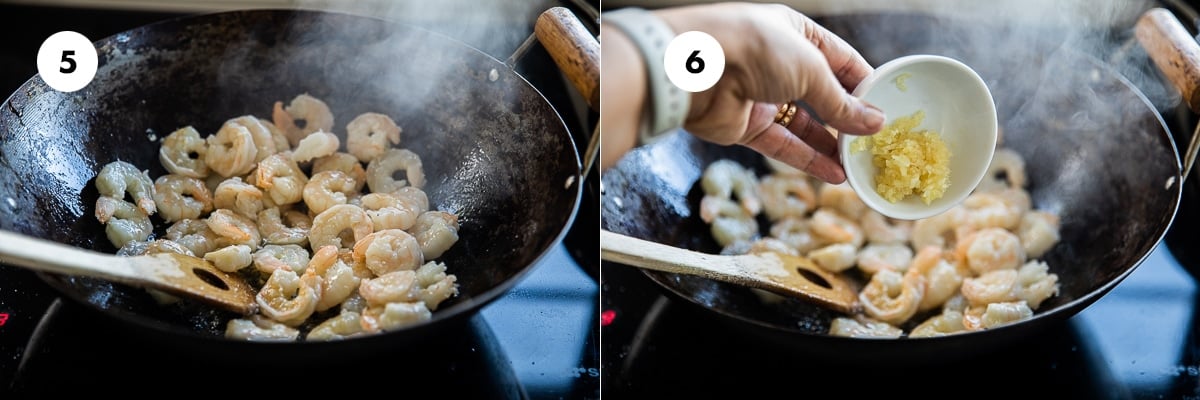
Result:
pixel 909 162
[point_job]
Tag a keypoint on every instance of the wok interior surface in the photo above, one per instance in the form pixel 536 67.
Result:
pixel 1108 169
pixel 494 151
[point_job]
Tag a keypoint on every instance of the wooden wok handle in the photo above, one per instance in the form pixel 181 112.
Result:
pixel 1174 50
pixel 574 49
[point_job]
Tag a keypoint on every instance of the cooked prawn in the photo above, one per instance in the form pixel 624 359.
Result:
pixel 231 151
pixel 314 112
pixel 380 171
pixel 119 178
pixel 368 135
pixel 281 178
pixel 180 197
pixel 238 196
pixel 387 251
pixel 328 189
pixel 344 162
pixel 287 298
pixel 328 226
pixel 182 153
pixel 123 221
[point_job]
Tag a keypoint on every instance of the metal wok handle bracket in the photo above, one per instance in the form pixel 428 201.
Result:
pixel 1177 55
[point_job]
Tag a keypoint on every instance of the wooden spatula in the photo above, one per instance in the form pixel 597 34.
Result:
pixel 177 274
pixel 782 274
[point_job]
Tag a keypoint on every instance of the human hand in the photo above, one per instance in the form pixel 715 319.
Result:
pixel 775 55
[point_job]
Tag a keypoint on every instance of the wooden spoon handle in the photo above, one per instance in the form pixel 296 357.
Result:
pixel 574 49
pixel 44 255
pixel 659 257
pixel 1174 50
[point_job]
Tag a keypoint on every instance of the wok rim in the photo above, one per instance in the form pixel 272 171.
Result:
pixel 461 309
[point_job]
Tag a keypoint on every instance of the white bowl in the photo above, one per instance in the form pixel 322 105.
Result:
pixel 957 105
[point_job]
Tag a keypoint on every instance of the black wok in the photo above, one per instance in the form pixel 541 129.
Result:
pixel 1098 155
pixel 494 151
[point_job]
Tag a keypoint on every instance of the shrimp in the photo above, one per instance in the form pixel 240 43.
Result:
pixel 942 279
pixel 726 178
pixel 231 151
pixel 876 257
pixel 314 112
pixel 367 136
pixel 182 153
pixel 435 232
pixel 836 257
pixel 991 249
pixel 328 189
pixel 344 162
pixel 713 207
pixel 831 227
pixel 281 178
pixel 287 298
pixel 157 246
pixel 380 171
pixel 391 211
pixel 272 257
pixel 119 178
pixel 1038 232
pixel 995 314
pixel 316 145
pixel 768 245
pixel 264 144
pixel 335 279
pixel 946 323
pixel 796 233
pixel 892 298
pixel 1007 170
pixel 259 328
pixel 996 286
pixel 274 231
pixel 233 228
pixel 882 230
pixel 387 251
pixel 392 287
pixel 277 136
pixel 394 316
pixel 413 197
pixel 786 196
pixel 230 258
pixel 990 210
pixel 436 285
pixel 863 328
pixel 345 325
pixel 180 197
pixel 328 226
pixel 940 230
pixel 1036 284
pixel 123 221
pixel 238 196
pixel 841 197
pixel 194 235
pixel 355 303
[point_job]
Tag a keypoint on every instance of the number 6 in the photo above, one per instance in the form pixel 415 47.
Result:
pixel 694 58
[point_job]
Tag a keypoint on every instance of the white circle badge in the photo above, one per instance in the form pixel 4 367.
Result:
pixel 67 61
pixel 694 61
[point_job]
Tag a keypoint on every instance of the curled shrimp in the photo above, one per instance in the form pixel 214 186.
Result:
pixel 345 325
pixel 287 298
pixel 836 257
pixel 259 328
pixel 1007 170
pixel 796 233
pixel 1035 283
pixel 368 135
pixel 233 228
pixel 277 136
pixel 179 197
pixel 231 151
pixel 272 257
pixel 157 246
pixel 995 314
pixel 316 145
pixel 344 162
pixel 831 227
pixel 275 230
pixel 413 197
pixel 863 328
pixel 182 153
pixel 881 230
pixel 991 249
pixel 239 196
pixel 989 210
pixel 435 232
pixel 940 230
pixel 946 323
pixel 118 178
pixel 786 196
pixel 713 207
pixel 328 189
pixel 123 222
pixel 230 258
pixel 336 280
pixel 328 226
pixel 264 144
pixel 389 211
pixel 1038 232
pixel 876 257
pixel 996 286
pixel 314 112
pixel 281 178
pixel 770 245
pixel 394 316
pixel 387 251
pixel 435 284
pixel 726 178
pixel 891 297
pixel 193 234
pixel 942 279
pixel 380 171
pixel 841 197
pixel 392 287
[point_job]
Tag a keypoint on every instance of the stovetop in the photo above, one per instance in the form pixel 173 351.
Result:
pixel 539 341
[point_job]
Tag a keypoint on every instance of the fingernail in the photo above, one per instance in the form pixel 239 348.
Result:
pixel 873 117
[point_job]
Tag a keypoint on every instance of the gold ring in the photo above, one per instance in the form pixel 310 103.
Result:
pixel 785 114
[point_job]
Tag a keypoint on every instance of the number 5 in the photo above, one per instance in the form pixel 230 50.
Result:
pixel 66 57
